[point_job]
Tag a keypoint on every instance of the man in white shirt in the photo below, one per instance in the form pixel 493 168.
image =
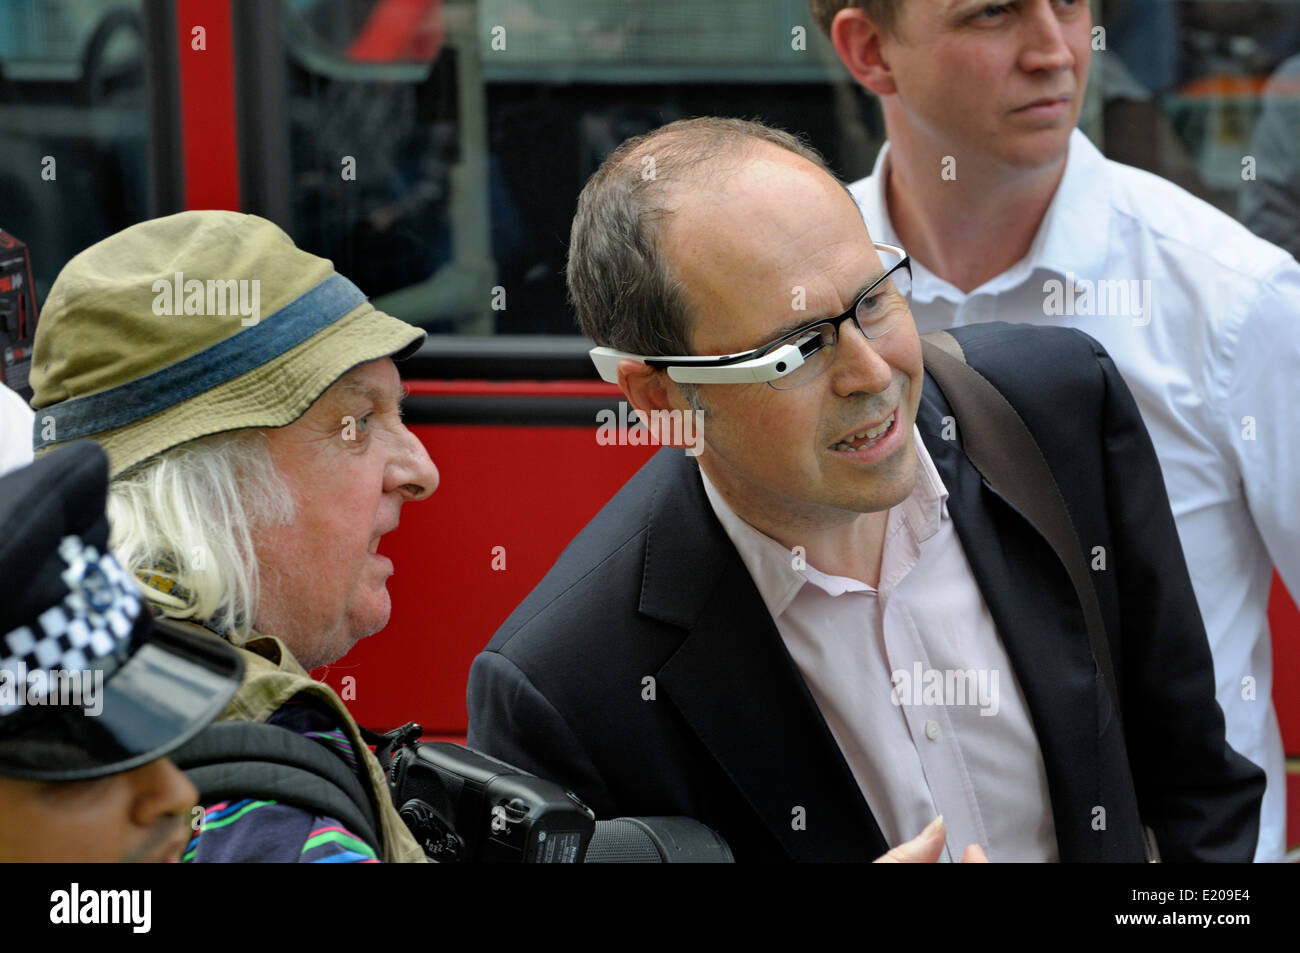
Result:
pixel 1011 214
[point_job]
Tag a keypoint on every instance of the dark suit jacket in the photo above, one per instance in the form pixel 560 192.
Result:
pixel 654 587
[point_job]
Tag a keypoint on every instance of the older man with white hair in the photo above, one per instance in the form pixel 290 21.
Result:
pixel 248 401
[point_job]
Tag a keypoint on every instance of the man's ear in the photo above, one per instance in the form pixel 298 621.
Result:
pixel 662 407
pixel 645 387
pixel 856 39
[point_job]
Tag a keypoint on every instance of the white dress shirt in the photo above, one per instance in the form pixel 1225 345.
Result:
pixel 1209 343
pixel 971 753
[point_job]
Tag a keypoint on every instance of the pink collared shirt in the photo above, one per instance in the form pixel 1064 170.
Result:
pixel 912 680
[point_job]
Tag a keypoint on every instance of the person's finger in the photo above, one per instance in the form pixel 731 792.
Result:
pixel 974 854
pixel 924 848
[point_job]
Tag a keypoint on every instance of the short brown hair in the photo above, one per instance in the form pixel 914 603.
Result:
pixel 620 283
pixel 883 13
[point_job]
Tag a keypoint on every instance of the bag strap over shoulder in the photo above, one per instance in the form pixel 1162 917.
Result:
pixel 999 444
pixel 997 441
pixel 233 759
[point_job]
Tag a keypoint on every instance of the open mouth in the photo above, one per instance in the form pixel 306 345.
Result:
pixel 866 438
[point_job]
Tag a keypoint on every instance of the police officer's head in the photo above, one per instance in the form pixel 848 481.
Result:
pixel 93 691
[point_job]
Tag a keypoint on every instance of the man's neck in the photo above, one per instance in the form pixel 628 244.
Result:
pixel 972 227
pixel 852 547
pixel 855 549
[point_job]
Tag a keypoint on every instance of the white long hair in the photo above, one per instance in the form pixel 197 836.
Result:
pixel 182 525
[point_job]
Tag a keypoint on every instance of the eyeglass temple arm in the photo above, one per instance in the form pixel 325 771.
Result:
pixel 696 369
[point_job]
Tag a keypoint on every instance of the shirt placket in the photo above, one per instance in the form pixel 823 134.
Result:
pixel 930 725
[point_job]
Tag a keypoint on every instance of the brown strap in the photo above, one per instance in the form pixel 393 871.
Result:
pixel 946 343
pixel 999 444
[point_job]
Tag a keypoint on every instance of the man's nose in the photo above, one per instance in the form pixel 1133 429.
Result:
pixel 859 366
pixel 160 788
pixel 1045 48
pixel 412 474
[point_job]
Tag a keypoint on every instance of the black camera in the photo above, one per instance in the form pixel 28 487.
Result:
pixel 464 806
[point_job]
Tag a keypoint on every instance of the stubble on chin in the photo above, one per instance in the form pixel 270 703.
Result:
pixel 892 481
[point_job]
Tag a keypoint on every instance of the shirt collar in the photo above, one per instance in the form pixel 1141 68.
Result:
pixel 772 566
pixel 1071 241
pixel 1075 232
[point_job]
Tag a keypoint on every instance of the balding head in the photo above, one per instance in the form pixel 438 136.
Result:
pixel 624 291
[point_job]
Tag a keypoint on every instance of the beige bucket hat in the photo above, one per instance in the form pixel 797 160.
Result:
pixel 196 324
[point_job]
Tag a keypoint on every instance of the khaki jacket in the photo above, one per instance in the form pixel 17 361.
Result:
pixel 272 676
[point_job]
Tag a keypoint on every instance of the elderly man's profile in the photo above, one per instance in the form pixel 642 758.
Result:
pixel 256 467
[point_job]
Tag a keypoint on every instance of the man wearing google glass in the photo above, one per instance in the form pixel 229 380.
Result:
pixel 836 628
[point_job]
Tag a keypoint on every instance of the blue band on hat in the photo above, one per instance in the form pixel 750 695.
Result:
pixel 224 361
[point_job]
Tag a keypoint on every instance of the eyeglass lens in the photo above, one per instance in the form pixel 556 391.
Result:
pixel 877 313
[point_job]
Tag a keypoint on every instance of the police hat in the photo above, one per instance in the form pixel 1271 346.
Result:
pixel 90 683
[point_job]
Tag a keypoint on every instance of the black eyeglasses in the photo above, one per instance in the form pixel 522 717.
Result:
pixel 875 312
pixel 798 356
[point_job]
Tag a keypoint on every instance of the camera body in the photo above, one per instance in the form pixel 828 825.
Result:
pixel 464 806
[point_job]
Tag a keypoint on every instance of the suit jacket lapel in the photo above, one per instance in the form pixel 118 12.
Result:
pixel 737 687
pixel 735 684
pixel 1042 627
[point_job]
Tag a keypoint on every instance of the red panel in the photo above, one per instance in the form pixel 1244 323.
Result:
pixel 1292 806
pixel 527 489
pixel 1284 621
pixel 470 388
pixel 207 93
pixel 396 30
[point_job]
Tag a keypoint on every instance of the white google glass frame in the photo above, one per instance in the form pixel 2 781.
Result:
pixel 741 368
pixel 706 370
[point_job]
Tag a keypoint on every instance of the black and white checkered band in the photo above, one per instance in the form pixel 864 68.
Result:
pixel 91 627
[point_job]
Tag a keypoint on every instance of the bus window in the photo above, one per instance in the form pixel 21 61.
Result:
pixel 74 165
pixel 436 148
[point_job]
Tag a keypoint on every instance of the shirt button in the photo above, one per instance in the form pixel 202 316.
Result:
pixel 932 730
